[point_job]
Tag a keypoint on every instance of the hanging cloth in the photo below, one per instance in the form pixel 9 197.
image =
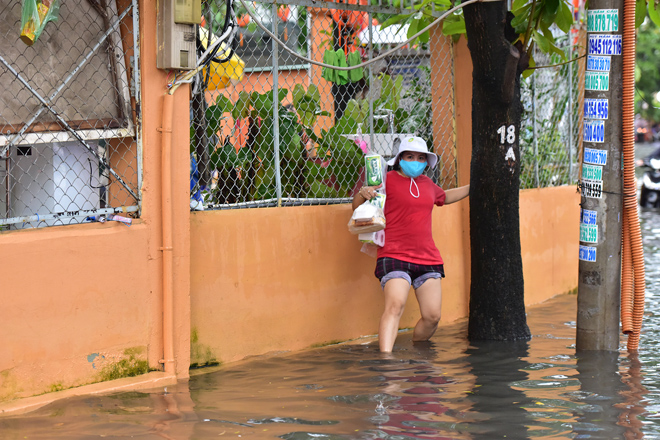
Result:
pixel 354 59
pixel 329 57
pixel 342 75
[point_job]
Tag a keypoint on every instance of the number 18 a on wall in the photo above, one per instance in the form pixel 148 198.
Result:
pixel 507 134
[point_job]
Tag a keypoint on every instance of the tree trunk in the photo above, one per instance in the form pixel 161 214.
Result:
pixel 497 307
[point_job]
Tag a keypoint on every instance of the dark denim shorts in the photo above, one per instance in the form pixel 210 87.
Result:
pixel 388 268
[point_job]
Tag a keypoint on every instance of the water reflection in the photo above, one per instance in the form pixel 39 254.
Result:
pixel 446 389
pixel 601 391
pixel 502 406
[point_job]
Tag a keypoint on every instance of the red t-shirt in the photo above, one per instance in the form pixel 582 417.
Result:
pixel 408 225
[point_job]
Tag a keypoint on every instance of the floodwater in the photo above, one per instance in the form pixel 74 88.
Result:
pixel 447 389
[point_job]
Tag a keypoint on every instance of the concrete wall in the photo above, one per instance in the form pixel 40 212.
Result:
pixel 76 299
pixel 287 278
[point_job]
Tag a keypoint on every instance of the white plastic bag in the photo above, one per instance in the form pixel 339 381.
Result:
pixel 367 217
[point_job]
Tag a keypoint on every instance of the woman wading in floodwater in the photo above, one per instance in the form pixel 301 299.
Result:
pixel 410 256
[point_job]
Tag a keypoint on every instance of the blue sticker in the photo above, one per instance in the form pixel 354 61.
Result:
pixel 589 217
pixel 594 131
pixel 596 157
pixel 599 63
pixel 605 44
pixel 596 108
pixel 587 253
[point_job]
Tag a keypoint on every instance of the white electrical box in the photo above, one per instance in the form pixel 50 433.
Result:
pixel 176 34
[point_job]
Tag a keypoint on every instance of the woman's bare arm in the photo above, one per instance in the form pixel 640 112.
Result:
pixel 456 194
pixel 365 193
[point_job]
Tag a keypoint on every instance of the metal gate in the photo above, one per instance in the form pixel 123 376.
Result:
pixel 70 115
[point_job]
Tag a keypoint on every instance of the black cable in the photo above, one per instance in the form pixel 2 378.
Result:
pixel 229 13
pixel 580 185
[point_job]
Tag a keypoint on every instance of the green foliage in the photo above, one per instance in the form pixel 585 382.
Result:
pixel 533 20
pixel 357 110
pixel 248 173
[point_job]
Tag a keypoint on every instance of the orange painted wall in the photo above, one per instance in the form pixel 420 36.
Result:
pixel 74 298
pixel 286 278
pixel 246 281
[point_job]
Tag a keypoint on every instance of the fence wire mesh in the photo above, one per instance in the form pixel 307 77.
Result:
pixel 551 125
pixel 270 129
pixel 68 113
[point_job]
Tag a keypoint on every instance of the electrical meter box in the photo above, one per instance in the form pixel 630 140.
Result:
pixel 176 33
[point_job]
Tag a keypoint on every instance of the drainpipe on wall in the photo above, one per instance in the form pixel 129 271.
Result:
pixel 166 199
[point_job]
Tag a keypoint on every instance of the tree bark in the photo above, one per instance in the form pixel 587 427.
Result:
pixel 497 307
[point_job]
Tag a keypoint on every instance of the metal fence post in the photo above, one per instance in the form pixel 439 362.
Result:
pixel 276 104
pixel 534 134
pixel 571 109
pixel 370 95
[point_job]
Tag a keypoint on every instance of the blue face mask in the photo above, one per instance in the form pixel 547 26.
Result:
pixel 412 169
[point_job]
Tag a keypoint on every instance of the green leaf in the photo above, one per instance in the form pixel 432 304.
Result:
pixel 225 157
pixel 653 13
pixel 558 51
pixel 413 29
pixel 640 12
pixel 214 117
pixel 282 94
pixel 321 190
pixel 541 41
pixel 224 103
pixel 551 6
pixel 532 63
pixel 517 4
pixel 454 27
pixel 313 92
pixel 298 94
pixel 316 171
pixel 396 19
pixel 564 18
pixel 241 109
pixel 263 104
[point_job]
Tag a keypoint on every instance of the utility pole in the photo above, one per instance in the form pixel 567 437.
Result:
pixel 601 182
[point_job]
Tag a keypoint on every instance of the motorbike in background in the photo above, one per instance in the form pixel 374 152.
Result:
pixel 650 193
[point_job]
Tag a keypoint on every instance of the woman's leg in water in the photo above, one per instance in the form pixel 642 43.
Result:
pixel 429 297
pixel 396 293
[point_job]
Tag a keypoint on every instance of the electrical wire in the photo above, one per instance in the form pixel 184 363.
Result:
pixel 373 60
pixel 188 76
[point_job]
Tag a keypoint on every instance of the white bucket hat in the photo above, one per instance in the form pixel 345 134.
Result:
pixel 416 144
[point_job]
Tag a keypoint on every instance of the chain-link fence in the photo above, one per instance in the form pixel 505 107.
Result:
pixel 552 118
pixel 271 129
pixel 69 112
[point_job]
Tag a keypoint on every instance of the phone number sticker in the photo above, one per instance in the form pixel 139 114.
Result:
pixel 596 157
pixel 592 172
pixel 587 253
pixel 594 131
pixel 589 217
pixel 596 108
pixel 605 44
pixel 597 81
pixel 592 189
pixel 588 233
pixel 599 63
pixel 602 20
